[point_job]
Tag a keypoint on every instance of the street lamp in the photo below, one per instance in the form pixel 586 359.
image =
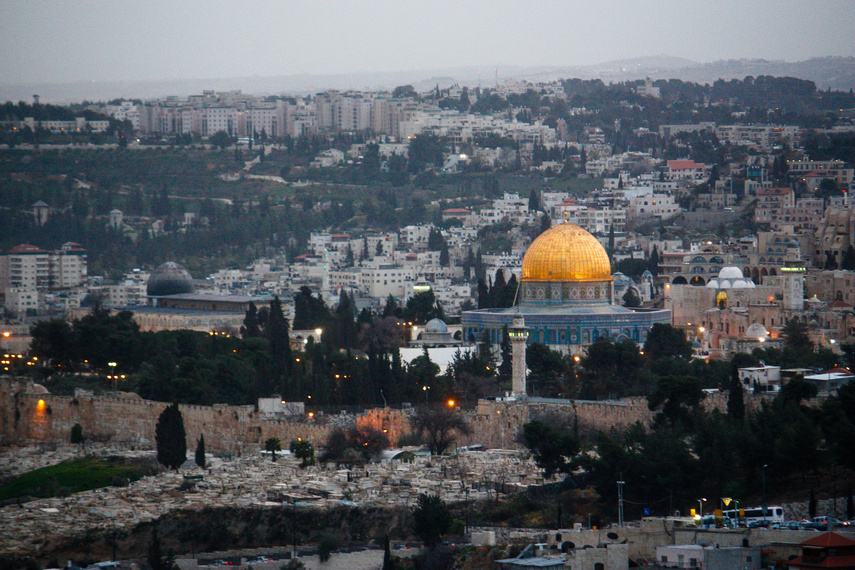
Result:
pixel 764 484
pixel 113 376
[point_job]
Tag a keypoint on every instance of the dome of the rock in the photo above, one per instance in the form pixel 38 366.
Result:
pixel 566 253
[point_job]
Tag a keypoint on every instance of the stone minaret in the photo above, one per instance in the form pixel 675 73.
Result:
pixel 519 335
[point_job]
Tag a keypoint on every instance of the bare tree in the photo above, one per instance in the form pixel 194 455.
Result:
pixel 439 427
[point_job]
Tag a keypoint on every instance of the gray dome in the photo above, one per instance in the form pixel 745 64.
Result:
pixel 757 331
pixel 436 326
pixel 169 279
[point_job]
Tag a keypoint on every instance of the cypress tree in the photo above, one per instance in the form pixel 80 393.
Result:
pixel 735 400
pixel 277 336
pixel 251 327
pixel 170 437
pixel 505 368
pixel 200 452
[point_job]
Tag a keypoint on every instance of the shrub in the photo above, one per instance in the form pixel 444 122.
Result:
pixel 328 544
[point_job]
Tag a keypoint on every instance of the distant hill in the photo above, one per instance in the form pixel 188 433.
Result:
pixel 838 73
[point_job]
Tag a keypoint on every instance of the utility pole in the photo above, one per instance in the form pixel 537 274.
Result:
pixel 620 485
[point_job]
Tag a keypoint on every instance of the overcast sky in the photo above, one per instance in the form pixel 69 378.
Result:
pixel 107 40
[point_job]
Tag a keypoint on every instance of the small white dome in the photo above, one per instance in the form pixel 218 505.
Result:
pixel 757 331
pixel 730 273
pixel 436 326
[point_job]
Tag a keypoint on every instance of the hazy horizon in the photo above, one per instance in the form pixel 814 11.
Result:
pixel 53 42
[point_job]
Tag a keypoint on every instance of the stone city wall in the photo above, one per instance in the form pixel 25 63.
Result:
pixel 29 414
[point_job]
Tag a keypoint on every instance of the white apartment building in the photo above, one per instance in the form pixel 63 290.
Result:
pixel 26 267
pixel 19 300
pixel 68 266
pixel 384 280
pixel 416 236
pixel 764 136
pixel 654 207
pixel 598 220
pixel 79 124
pixel 216 119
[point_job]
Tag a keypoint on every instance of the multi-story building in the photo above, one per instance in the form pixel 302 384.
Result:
pixel 833 168
pixel 25 267
pixel 687 170
pixel 68 266
pixel 764 136
pixel 771 202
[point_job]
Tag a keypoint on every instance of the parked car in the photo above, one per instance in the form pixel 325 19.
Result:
pixel 810 525
pixel 825 519
pixel 259 560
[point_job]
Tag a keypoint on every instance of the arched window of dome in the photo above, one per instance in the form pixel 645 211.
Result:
pixel 715 269
pixel 697 269
pixel 699 259
pixel 697 281
pixel 679 280
pixel 716 259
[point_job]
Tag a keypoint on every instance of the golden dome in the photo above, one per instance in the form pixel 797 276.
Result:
pixel 566 252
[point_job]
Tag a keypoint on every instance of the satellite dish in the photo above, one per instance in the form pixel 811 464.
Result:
pixel 612 535
pixel 567 546
pixel 622 541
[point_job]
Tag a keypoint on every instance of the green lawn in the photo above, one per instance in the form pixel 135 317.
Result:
pixel 72 477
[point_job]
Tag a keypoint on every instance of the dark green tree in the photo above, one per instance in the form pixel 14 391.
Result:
pixel 76 433
pixel 431 519
pixel 611 248
pixel 155 559
pixel 272 444
pixel 54 341
pixel 304 451
pixel 735 397
pixel 667 341
pixel 547 371
pixel 533 201
pixel 552 447
pixel 251 327
pixel 439 426
pixel 391 308
pixel 421 307
pixel 170 437
pixel 388 560
pixel 677 399
pixel 221 139
pixel 631 298
pixel 200 451
pixel 506 353
pixel 654 261
pixel 279 342
pixel 545 223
